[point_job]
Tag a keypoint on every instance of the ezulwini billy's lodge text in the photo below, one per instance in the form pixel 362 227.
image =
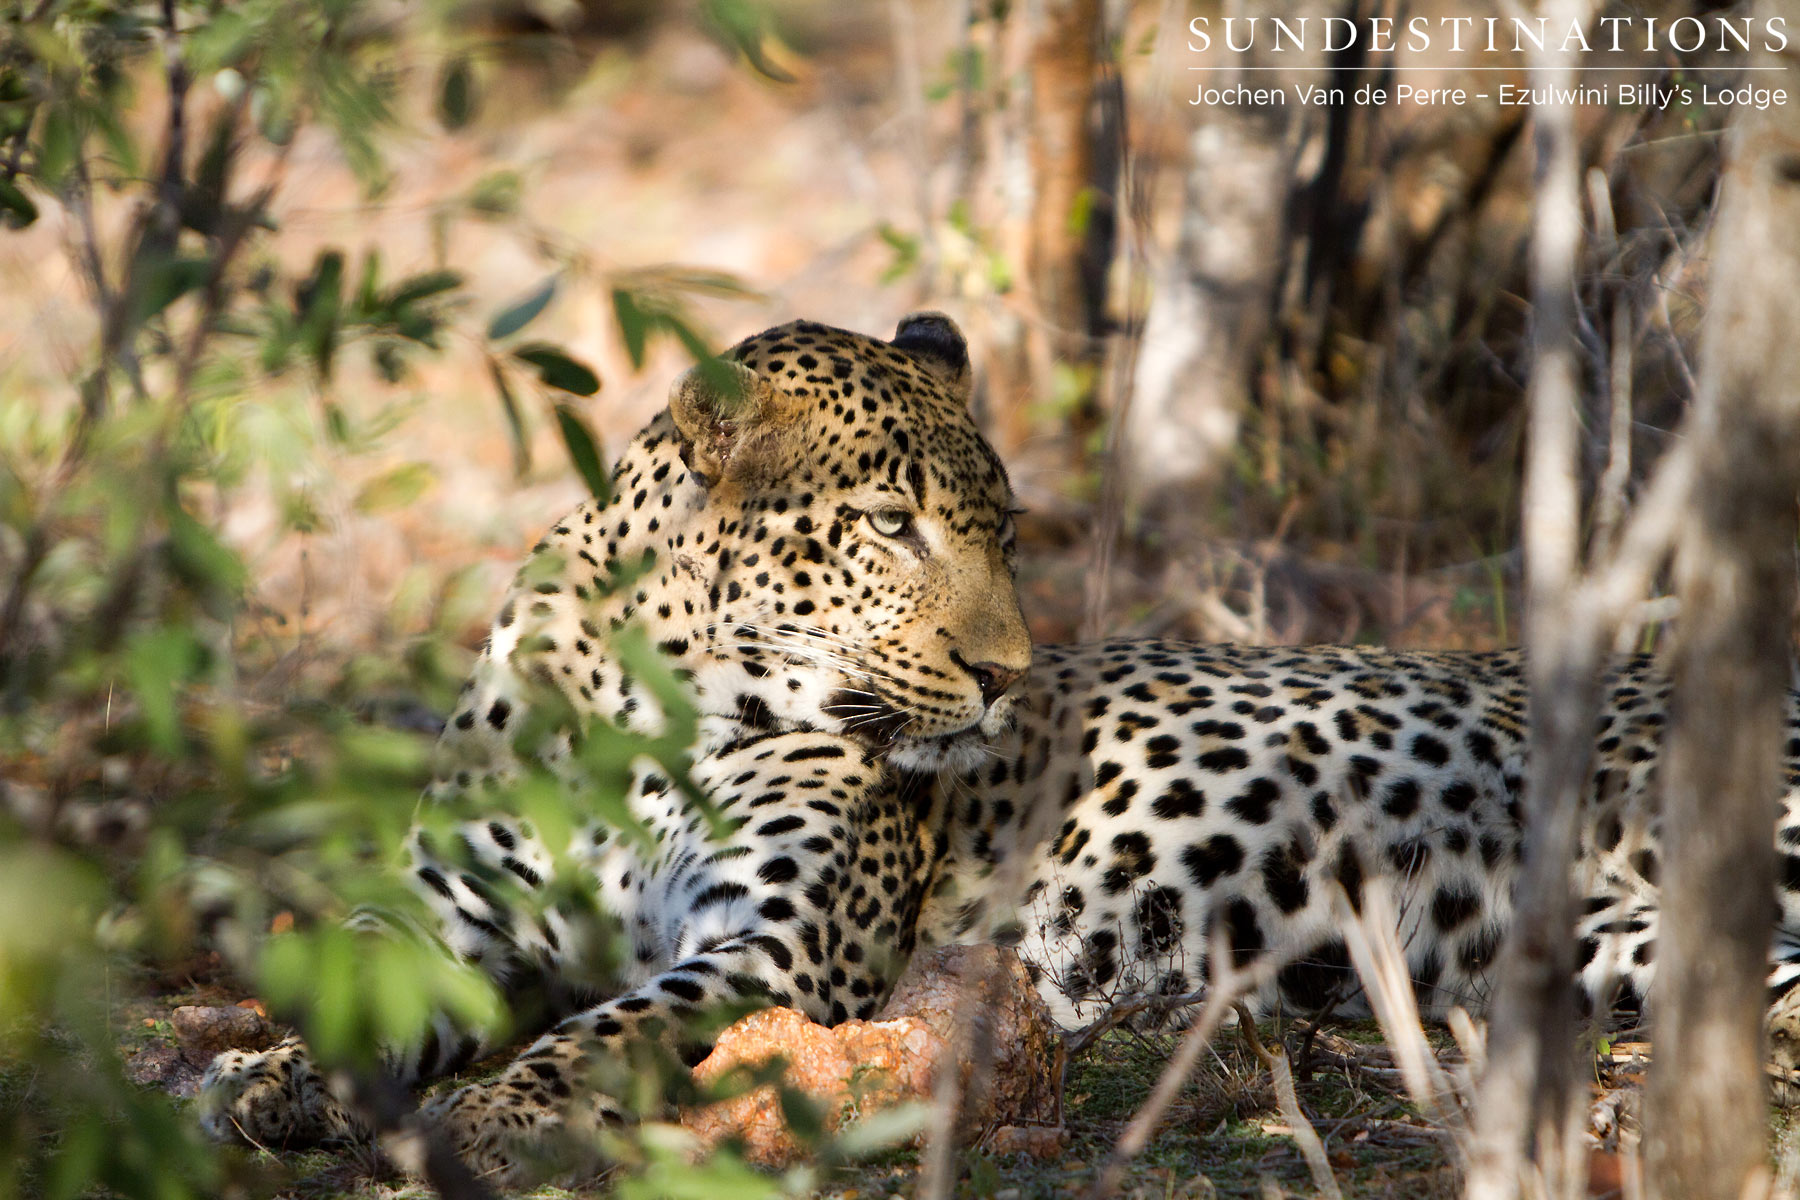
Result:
pixel 1654 95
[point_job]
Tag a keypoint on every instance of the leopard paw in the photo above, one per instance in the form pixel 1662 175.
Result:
pixel 514 1135
pixel 271 1098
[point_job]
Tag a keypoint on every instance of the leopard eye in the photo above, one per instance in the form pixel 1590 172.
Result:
pixel 891 522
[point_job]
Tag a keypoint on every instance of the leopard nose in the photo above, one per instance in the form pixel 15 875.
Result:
pixel 992 678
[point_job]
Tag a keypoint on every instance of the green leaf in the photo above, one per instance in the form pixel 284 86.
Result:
pixel 719 377
pixel 419 287
pixel 320 302
pixel 882 1129
pixel 906 252
pixel 79 1157
pixel 105 118
pixel 510 320
pixel 1081 212
pixel 802 1115
pixel 634 325
pixel 740 23
pixel 168 281
pixel 456 100
pixel 157 662
pixel 583 452
pixel 557 369
pixel 671 278
pixel 495 194
pixel 401 971
pixel 389 362
pixel 200 560
pixel 59 144
pixel 368 292
pixel 395 489
pixel 273 111
pixel 218 43
pixel 515 419
pixel 16 205
pixel 284 971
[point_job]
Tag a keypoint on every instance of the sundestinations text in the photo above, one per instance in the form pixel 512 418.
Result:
pixel 1278 35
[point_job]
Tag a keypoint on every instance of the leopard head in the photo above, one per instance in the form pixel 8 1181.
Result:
pixel 853 533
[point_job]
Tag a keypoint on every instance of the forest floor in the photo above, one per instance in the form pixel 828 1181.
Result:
pixel 1223 1136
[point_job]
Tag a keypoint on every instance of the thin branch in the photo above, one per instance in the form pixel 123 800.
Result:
pixel 1287 1102
pixel 166 223
pixel 1609 502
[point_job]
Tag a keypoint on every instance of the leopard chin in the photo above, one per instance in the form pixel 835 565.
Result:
pixel 954 752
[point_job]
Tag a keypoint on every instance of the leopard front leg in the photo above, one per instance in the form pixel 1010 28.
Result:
pixel 811 903
pixel 277 1097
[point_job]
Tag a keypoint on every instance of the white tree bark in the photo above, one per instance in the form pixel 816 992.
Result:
pixel 1210 306
pixel 1524 1103
pixel 1707 1118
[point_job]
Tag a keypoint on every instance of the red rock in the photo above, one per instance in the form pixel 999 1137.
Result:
pixel 860 1067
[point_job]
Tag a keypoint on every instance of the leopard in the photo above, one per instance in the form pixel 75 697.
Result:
pixel 818 545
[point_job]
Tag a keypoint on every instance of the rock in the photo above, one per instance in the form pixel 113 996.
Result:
pixel 860 1067
pixel 1036 1141
pixel 163 1066
pixel 205 1031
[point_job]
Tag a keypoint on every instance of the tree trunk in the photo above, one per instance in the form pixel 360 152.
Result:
pixel 1210 310
pixel 1075 143
pixel 1707 1117
pixel 1524 1109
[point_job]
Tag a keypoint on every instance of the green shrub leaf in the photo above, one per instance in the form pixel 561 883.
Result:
pixel 517 316
pixel 584 452
pixel 18 207
pixel 395 489
pixel 456 101
pixel 419 287
pixel 634 324
pixel 558 370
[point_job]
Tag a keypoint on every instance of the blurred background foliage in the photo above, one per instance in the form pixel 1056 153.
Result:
pixel 316 314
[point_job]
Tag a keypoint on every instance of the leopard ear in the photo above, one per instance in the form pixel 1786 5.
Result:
pixel 935 343
pixel 721 409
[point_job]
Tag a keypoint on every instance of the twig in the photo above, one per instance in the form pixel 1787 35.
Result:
pixel 1609 503
pixel 1369 934
pixel 171 186
pixel 1158 1006
pixel 1287 1102
pixel 1304 1135
pixel 1135 201
pixel 968 125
